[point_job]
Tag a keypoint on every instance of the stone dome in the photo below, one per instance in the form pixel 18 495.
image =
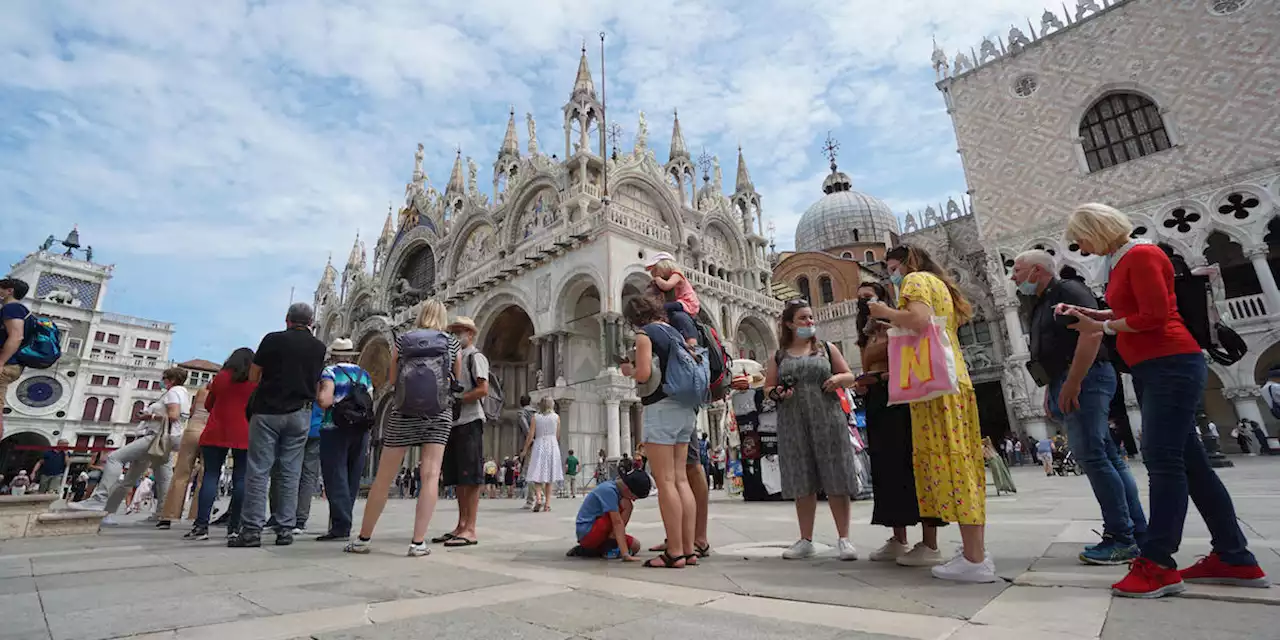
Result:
pixel 843 217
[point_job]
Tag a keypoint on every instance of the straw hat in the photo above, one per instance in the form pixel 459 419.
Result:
pixel 463 322
pixel 342 347
pixel 750 368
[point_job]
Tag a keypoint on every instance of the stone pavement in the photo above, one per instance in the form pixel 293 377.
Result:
pixel 134 581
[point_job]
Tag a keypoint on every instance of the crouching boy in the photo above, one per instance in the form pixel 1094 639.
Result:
pixel 602 519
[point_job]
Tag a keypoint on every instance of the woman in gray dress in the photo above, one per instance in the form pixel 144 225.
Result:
pixel 814 451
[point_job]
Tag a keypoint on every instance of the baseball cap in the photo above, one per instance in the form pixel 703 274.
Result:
pixel 656 258
pixel 638 482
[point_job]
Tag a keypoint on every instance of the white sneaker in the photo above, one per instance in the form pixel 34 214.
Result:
pixel 109 520
pixel 359 546
pixel 419 549
pixel 800 550
pixel 153 518
pixel 920 556
pixel 298 531
pixel 88 504
pixel 892 550
pixel 959 569
pixel 846 549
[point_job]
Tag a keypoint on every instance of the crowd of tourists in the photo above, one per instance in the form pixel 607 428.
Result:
pixel 286 419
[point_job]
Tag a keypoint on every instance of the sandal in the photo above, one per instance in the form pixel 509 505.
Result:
pixel 690 560
pixel 444 538
pixel 664 561
pixel 659 547
pixel 703 550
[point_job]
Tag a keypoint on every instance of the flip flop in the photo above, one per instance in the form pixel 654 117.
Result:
pixel 444 538
pixel 664 561
pixel 459 541
pixel 704 551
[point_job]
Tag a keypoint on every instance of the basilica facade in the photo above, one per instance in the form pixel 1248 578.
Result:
pixel 542 259
pixel 1165 110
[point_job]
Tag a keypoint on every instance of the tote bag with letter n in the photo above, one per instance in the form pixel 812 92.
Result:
pixel 922 366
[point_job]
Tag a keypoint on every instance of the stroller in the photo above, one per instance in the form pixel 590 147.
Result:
pixel 1064 462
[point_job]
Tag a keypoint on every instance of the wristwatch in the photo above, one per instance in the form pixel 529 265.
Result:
pixel 1106 328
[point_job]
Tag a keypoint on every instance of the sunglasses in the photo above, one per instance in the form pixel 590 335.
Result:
pixel 798 302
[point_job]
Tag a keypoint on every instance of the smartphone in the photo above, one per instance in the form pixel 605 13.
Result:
pixel 1065 320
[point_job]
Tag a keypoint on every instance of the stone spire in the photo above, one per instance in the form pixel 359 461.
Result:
pixel 355 262
pixel 510 145
pixel 678 149
pixel 583 85
pixel 744 178
pixel 388 229
pixel 456 184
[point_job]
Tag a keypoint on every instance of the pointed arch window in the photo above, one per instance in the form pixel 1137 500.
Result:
pixel 136 413
pixel 802 285
pixel 90 410
pixel 870 256
pixel 827 291
pixel 1121 127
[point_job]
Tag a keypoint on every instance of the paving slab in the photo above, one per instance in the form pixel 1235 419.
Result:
pixel 449 626
pixel 693 623
pixel 579 612
pixel 22 617
pixel 149 615
pixel 1184 619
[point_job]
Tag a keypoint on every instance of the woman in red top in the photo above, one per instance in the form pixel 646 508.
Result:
pixel 226 430
pixel 1169 374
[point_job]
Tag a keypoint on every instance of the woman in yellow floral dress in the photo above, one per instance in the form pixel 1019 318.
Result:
pixel 946 437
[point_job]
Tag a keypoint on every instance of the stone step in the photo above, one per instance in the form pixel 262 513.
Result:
pixel 30 504
pixel 65 523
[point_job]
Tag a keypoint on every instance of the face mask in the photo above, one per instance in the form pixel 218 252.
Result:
pixel 806 333
pixel 1027 288
pixel 895 278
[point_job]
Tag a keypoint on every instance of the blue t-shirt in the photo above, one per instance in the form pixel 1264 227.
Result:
pixel 663 336
pixel 343 376
pixel 55 462
pixel 11 311
pixel 605 498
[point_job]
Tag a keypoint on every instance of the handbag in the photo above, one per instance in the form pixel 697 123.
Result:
pixel 161 444
pixel 922 365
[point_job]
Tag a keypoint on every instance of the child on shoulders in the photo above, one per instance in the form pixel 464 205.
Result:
pixel 601 525
pixel 679 299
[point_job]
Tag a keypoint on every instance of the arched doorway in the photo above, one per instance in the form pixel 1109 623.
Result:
pixel 506 343
pixel 375 357
pixel 16 454
pixel 754 339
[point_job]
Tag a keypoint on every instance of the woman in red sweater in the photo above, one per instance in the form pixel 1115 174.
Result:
pixel 226 430
pixel 1169 374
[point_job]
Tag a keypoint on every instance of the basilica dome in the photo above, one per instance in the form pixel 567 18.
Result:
pixel 843 217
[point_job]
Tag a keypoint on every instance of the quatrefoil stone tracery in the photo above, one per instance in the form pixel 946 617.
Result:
pixel 1181 220
pixel 1239 206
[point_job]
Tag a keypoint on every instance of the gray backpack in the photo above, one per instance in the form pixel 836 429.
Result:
pixel 425 380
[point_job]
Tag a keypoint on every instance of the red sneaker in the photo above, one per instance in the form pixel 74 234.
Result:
pixel 1147 579
pixel 1212 570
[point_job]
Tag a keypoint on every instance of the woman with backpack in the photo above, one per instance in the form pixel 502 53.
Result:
pixel 426 364
pixel 1169 375
pixel 814 452
pixel 668 422
pixel 345 394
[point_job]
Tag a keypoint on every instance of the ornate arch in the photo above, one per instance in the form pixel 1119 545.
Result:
pixel 666 205
pixel 525 193
pixel 473 224
pixel 757 325
pixel 373 338
pixel 573 284
pixel 1078 113
pixel 733 233
pixel 486 309
pixel 405 246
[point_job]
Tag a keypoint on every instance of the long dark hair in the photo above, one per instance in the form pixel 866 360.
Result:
pixel 864 314
pixel 787 334
pixel 914 259
pixel 642 310
pixel 238 364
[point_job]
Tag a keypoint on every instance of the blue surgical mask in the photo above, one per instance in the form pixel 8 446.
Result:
pixel 1027 288
pixel 896 279
pixel 806 332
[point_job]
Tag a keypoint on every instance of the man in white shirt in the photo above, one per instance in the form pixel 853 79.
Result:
pixel 463 465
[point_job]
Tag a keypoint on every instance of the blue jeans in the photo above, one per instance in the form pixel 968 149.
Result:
pixel 342 454
pixel 680 319
pixel 1089 437
pixel 213 459
pixel 274 438
pixel 1170 389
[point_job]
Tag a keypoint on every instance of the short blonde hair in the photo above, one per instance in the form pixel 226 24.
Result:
pixel 1100 225
pixel 546 405
pixel 433 315
pixel 665 267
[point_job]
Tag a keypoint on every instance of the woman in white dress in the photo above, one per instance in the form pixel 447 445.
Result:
pixel 542 450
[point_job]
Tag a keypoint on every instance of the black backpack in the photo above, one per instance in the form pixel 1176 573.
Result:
pixel 355 410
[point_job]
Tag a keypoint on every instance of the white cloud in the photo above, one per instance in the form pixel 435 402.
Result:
pixel 227 147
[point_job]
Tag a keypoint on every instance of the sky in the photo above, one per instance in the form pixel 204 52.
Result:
pixel 217 152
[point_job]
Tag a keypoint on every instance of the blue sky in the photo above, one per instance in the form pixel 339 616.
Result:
pixel 217 152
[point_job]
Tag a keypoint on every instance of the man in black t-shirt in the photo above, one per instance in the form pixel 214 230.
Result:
pixel 1081 383
pixel 13 318
pixel 287 368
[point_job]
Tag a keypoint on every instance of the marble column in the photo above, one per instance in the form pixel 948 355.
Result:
pixel 613 429
pixel 624 419
pixel 568 428
pixel 1014 326
pixel 612 339
pixel 538 371
pixel 548 361
pixel 1258 257
pixel 560 355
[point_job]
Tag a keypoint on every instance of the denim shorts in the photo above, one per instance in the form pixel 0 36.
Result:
pixel 667 422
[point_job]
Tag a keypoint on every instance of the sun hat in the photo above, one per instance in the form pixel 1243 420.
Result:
pixel 463 322
pixel 342 346
pixel 656 258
